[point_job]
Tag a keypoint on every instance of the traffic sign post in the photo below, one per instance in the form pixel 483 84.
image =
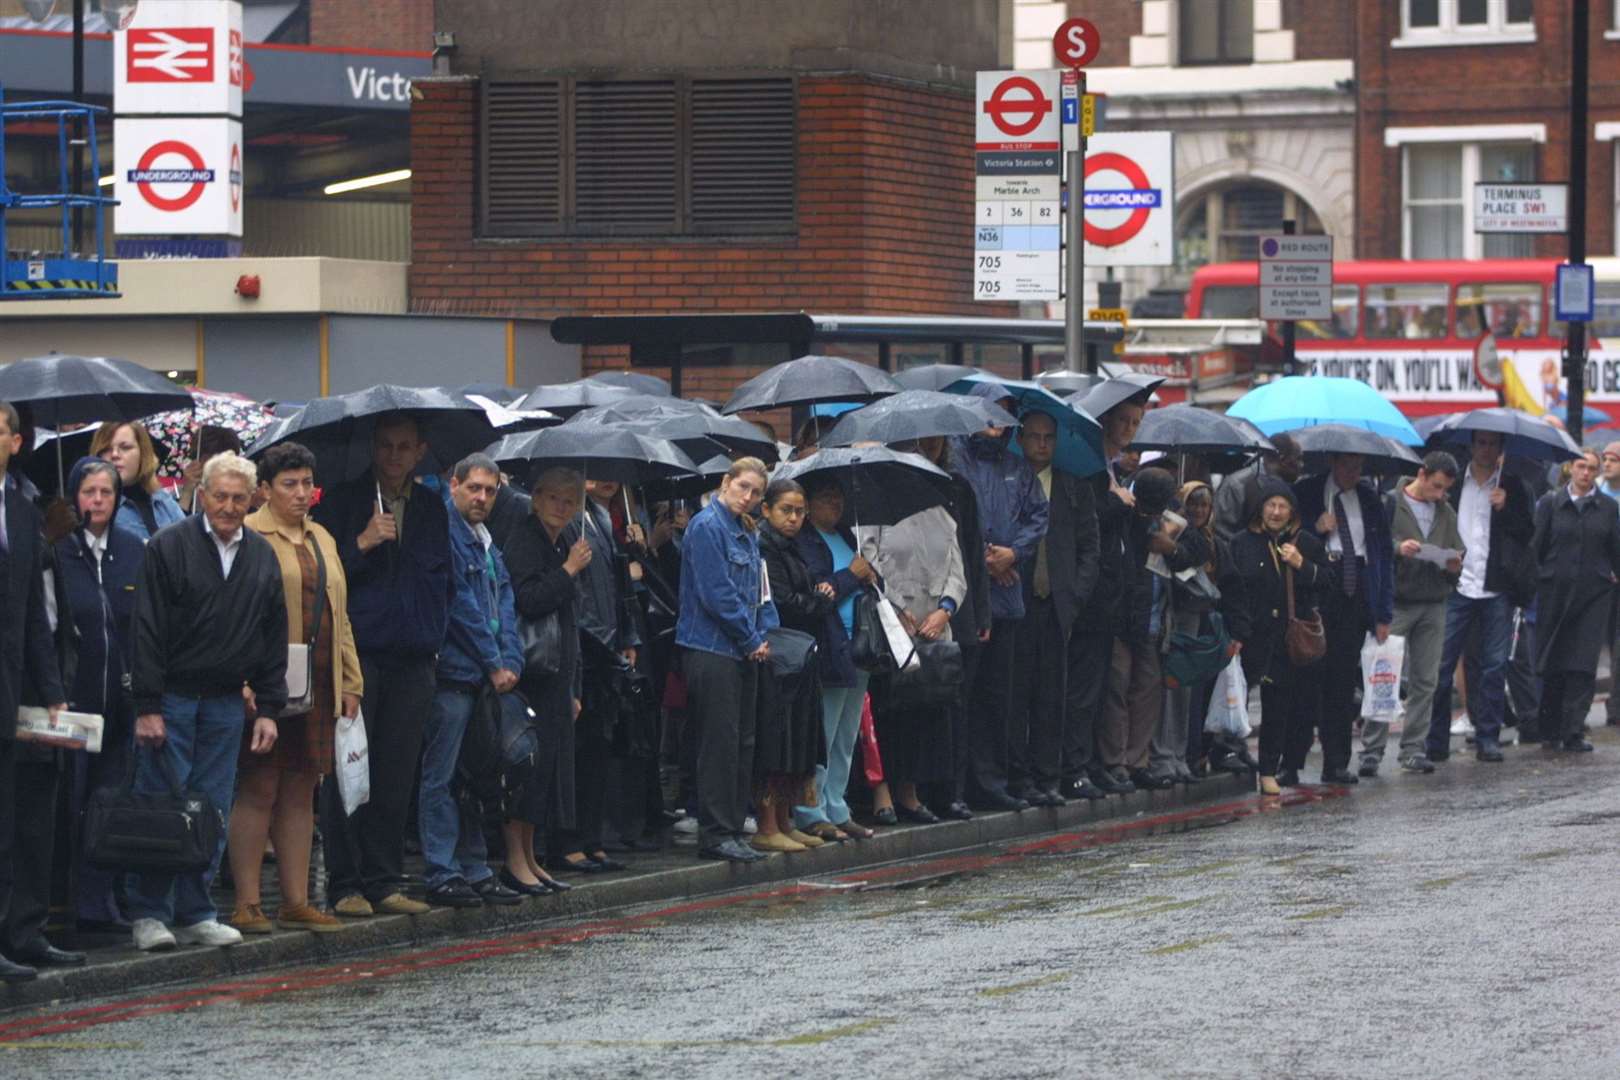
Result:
pixel 1296 282
pixel 1076 44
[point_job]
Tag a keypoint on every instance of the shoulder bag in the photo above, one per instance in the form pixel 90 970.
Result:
pixel 541 640
pixel 934 683
pixel 301 658
pixel 869 645
pixel 173 832
pixel 1305 638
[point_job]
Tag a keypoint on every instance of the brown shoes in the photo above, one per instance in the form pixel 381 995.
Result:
pixel 400 904
pixel 353 906
pixel 307 917
pixel 804 838
pixel 776 842
pixel 249 919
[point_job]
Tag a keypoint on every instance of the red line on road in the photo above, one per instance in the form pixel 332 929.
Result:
pixel 251 989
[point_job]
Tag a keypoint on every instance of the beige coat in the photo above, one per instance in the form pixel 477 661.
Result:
pixel 282 537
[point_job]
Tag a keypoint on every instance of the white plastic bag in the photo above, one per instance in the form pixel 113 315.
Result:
pixel 905 654
pixel 353 762
pixel 1229 702
pixel 1381 678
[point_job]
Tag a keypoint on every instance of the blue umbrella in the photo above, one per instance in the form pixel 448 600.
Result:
pixel 1302 401
pixel 1590 417
pixel 1079 437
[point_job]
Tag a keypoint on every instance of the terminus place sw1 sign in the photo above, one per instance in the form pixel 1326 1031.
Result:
pixel 1521 208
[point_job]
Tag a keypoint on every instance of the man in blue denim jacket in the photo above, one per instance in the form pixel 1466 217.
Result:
pixel 725 613
pixel 481 643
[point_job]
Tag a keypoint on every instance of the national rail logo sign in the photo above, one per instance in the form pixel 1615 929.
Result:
pixel 179 177
pixel 180 58
pixel 1130 199
pixel 175 55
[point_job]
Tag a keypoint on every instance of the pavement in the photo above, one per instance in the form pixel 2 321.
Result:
pixel 1448 926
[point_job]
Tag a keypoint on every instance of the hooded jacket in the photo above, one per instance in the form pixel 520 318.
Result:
pixel 100 604
pixel 1257 614
pixel 1012 506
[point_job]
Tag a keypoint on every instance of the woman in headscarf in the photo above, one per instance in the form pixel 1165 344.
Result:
pixel 1193 599
pixel 144 507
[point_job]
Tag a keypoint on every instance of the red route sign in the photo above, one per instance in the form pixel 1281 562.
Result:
pixel 1076 42
pixel 1003 109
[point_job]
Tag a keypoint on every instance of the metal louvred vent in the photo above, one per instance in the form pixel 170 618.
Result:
pixel 742 162
pixel 523 191
pixel 625 142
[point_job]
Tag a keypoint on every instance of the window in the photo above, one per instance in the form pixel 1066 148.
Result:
pixel 1230 302
pixel 1217 31
pixel 1406 312
pixel 1508 311
pixel 647 157
pixel 1438 198
pixel 1460 22
pixel 1346 314
pixel 1226 224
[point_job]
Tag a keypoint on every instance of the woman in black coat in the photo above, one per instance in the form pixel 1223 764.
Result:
pixel 544 555
pixel 1577 548
pixel 1271 545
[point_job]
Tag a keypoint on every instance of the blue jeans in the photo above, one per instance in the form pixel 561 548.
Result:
pixel 204 737
pixel 1494 617
pixel 841 724
pixel 452 845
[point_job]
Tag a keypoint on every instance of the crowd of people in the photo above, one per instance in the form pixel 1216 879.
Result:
pixel 703 664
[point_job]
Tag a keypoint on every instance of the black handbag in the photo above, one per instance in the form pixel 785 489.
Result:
pixel 936 683
pixel 172 832
pixel 541 641
pixel 500 748
pixel 869 645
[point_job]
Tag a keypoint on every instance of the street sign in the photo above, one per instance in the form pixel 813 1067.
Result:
pixel 1130 199
pixel 1076 42
pixel 1573 293
pixel 180 57
pixel 179 176
pixel 1296 277
pixel 1107 314
pixel 1017 219
pixel 1521 208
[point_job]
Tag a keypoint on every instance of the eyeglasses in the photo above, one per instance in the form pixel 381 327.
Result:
pixel 790 511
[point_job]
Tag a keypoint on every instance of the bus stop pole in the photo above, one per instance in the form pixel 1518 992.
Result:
pixel 1074 284
pixel 1575 349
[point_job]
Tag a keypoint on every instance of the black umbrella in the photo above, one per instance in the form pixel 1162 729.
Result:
pixel 811 379
pixel 695 427
pixel 934 376
pixel 1523 435
pixel 594 450
pixel 917 414
pixel 881 486
pixel 566 399
pixel 1110 392
pixel 707 477
pixel 1187 429
pixel 1380 454
pixel 639 381
pixel 1425 425
pixel 338 429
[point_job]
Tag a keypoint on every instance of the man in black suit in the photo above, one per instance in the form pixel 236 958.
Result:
pixel 1057 580
pixel 27 657
pixel 1348 516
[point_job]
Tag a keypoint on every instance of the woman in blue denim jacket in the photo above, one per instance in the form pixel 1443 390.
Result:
pixel 725 612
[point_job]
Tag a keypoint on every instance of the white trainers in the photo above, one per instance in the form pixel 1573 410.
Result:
pixel 207 933
pixel 687 826
pixel 152 936
pixel 1462 725
pixel 750 826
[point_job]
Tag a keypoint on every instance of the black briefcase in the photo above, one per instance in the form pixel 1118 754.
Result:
pixel 174 832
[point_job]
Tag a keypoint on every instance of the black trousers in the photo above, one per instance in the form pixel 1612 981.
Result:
pixel 1035 721
pixel 961 752
pixel 723 700
pixel 365 853
pixel 592 762
pixel 1566 698
pixel 1287 706
pixel 1334 680
pixel 991 702
pixel 28 779
pixel 1088 660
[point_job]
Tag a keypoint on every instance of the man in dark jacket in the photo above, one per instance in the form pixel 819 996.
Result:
pixel 210 631
pixel 26 655
pixel 1346 514
pixel 393 535
pixel 1056 582
pixel 1012 516
pixel 1496 518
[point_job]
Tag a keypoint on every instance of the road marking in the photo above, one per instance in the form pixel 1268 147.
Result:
pixel 1442 882
pixel 1555 853
pixel 1192 871
pixel 1187 946
pixel 1117 909
pixel 1320 913
pixel 1020 987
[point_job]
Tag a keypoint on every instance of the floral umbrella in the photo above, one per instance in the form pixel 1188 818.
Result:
pixel 177 431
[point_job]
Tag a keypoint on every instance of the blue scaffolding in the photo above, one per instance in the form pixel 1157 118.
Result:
pixel 62 273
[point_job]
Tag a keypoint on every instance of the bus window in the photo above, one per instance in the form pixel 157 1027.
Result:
pixel 1343 323
pixel 1231 302
pixel 1406 312
pixel 1508 311
pixel 1606 313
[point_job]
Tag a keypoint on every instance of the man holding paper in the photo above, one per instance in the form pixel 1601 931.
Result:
pixel 1421 522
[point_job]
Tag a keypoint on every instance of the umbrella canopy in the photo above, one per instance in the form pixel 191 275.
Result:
pixel 338 429
pixel 87 389
pixel 597 451
pixel 917 414
pixel 499 393
pixel 1380 454
pixel 1523 435
pixel 1068 383
pixel 881 486
pixel 639 381
pixel 934 376
pixel 1590 415
pixel 1110 392
pixel 684 422
pixel 176 432
pixel 707 477
pixel 566 399
pixel 806 380
pixel 1425 425
pixel 1079 437
pixel 1189 429
pixel 1301 401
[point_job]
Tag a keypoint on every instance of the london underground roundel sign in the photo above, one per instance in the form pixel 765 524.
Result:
pixel 196 175
pixel 1130 199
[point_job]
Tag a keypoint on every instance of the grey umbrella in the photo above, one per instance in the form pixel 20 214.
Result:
pixel 566 399
pixel 1110 392
pixel 597 451
pixel 1069 383
pixel 639 381
pixel 881 486
pixel 808 380
pixel 934 376
pixel 1187 429
pixel 695 427
pixel 1379 453
pixel 1523 435
pixel 917 414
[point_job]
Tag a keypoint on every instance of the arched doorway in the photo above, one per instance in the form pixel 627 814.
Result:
pixel 1224 223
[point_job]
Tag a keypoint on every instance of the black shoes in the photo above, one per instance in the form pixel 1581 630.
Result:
pixel 47 955
pixel 1577 745
pixel 920 815
pixel 1418 764
pixel 1339 776
pixel 1045 797
pixel 455 893
pixel 16 973
pixel 491 891
pixel 1288 778
pixel 1082 788
pixel 1488 752
pixel 1369 768
pixel 560 865
pixel 732 850
pixel 959 811
pixel 886 816
pixel 1001 800
pixel 1113 781
pixel 605 863
pixel 1148 781
pixel 523 887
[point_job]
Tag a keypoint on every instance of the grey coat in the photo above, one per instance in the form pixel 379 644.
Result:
pixel 919 561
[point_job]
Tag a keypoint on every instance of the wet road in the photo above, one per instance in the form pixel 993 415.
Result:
pixel 1460 925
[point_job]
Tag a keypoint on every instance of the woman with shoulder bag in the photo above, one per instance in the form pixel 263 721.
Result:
pixel 1192 601
pixel 1270 559
pixel 544 556
pixel 276 795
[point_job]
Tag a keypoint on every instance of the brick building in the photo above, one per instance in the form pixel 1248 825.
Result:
pixel 1451 92
pixel 636 156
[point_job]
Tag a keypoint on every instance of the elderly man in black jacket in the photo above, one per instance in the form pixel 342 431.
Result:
pixel 210 636
pixel 26 655
pixel 1056 581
